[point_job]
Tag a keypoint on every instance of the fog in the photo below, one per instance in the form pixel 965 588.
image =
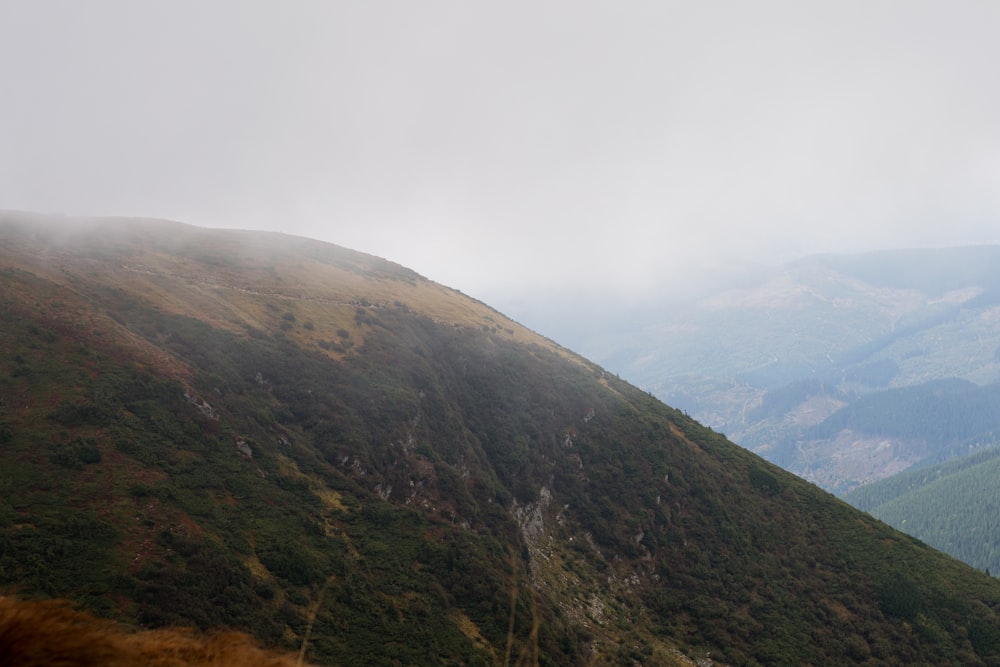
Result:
pixel 527 153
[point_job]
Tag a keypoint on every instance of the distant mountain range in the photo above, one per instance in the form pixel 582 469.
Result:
pixel 842 369
pixel 326 450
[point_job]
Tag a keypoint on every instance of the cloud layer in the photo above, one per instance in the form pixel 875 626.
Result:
pixel 504 147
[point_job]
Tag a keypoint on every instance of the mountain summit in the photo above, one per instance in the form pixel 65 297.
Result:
pixel 324 449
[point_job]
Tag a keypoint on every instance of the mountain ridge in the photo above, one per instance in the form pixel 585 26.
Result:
pixel 429 481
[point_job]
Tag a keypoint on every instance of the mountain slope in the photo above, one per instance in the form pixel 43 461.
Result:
pixel 285 437
pixel 874 435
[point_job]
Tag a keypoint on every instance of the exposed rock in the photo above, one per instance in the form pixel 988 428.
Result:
pixel 202 405
pixel 244 449
pixel 530 517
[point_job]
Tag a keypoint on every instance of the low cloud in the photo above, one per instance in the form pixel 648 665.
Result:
pixel 518 146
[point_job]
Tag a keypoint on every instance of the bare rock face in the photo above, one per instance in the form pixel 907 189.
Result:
pixel 531 517
pixel 244 449
pixel 201 405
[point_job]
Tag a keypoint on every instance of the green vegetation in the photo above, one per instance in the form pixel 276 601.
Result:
pixel 945 412
pixel 445 490
pixel 778 402
pixel 930 422
pixel 953 506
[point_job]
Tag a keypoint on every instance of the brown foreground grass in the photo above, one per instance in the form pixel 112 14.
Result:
pixel 52 634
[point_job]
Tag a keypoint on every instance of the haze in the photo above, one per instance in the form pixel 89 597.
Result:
pixel 516 150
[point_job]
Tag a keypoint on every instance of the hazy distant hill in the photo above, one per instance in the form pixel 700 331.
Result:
pixel 253 430
pixel 877 434
pixel 770 359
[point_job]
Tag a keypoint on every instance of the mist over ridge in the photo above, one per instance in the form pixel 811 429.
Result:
pixel 620 149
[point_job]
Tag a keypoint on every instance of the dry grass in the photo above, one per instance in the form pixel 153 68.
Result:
pixel 53 634
pixel 234 280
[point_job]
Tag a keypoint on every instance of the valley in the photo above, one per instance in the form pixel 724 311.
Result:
pixel 767 362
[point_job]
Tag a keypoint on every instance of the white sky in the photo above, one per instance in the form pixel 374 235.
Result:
pixel 515 146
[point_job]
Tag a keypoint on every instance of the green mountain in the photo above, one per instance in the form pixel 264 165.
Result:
pixel 322 448
pixel 772 355
pixel 952 506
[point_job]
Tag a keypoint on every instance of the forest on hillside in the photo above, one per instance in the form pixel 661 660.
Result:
pixel 941 419
pixel 953 506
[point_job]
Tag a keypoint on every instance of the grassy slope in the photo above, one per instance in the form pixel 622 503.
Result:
pixel 199 432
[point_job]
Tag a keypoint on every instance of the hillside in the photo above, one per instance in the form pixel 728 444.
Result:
pixel 775 352
pixel 285 437
pixel 876 435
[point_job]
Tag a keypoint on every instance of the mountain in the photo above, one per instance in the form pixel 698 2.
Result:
pixel 886 431
pixel 784 360
pixel 324 449
pixel 952 506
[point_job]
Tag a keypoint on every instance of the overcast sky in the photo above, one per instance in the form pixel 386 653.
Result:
pixel 500 147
